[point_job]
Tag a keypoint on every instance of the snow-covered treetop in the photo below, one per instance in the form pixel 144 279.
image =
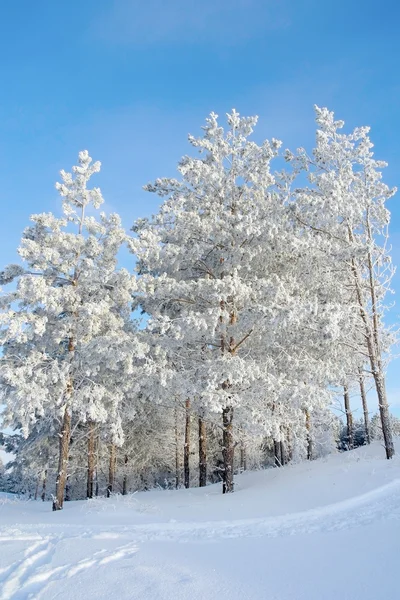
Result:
pixel 66 329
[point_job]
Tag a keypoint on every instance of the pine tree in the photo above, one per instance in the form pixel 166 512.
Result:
pixel 65 328
pixel 227 278
pixel 345 207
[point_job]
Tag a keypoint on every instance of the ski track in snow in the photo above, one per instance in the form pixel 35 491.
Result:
pixel 30 576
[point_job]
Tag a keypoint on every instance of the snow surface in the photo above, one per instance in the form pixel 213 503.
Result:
pixel 316 531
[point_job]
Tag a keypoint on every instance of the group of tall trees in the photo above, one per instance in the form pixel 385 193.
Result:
pixel 263 292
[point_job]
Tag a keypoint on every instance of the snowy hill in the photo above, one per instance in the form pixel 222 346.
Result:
pixel 316 531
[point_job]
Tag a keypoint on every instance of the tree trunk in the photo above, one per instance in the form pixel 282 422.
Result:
pixel 65 435
pixel 228 450
pixel 202 453
pixel 111 470
pixel 282 452
pixel 186 448
pixel 309 438
pixel 177 454
pixel 125 479
pixel 349 419
pixel 243 457
pixel 91 459
pixel 378 371
pixel 384 414
pixel 37 488
pixel 43 494
pixel 277 454
pixel 289 445
pixel 97 463
pixel 380 386
pixel 67 496
pixel 373 344
pixel 365 407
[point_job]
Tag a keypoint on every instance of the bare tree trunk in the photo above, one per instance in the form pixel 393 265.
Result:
pixel 202 453
pixel 281 448
pixel 227 413
pixel 277 454
pixel 372 335
pixel 186 448
pixel 282 452
pixel 111 470
pixel 97 463
pixel 243 457
pixel 379 374
pixel 289 445
pixel 65 435
pixel 177 455
pixel 43 494
pixel 67 496
pixel 91 459
pixel 365 406
pixel 349 418
pixel 309 438
pixel 384 414
pixel 37 488
pixel 228 449
pixel 125 479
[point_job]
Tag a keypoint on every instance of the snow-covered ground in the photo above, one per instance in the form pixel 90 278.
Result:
pixel 318 531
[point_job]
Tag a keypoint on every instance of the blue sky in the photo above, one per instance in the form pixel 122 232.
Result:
pixel 128 80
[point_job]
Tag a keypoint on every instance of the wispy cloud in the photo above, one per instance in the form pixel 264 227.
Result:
pixel 211 21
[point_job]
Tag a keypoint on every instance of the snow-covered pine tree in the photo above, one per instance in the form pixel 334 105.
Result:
pixel 64 328
pixel 228 281
pixel 346 209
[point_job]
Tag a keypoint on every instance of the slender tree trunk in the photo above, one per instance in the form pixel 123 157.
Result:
pixel 91 459
pixel 309 438
pixel 43 494
pixel 289 445
pixel 384 414
pixel 111 470
pixel 243 457
pixel 372 335
pixel 365 406
pixel 125 479
pixel 97 463
pixel 379 376
pixel 349 418
pixel 228 446
pixel 228 449
pixel 277 454
pixel 202 453
pixel 282 452
pixel 284 445
pixel 37 488
pixel 65 435
pixel 177 454
pixel 186 448
pixel 67 497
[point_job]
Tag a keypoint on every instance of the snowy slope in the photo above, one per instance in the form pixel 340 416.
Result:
pixel 322 530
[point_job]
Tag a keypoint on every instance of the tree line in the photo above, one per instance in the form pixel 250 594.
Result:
pixel 257 293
